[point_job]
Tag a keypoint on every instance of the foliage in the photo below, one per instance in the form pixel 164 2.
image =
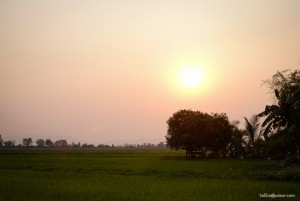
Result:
pixel 291 161
pixel 9 143
pixel 27 141
pixel 284 117
pixel 198 132
pixel 237 144
pixel 252 129
pixel 61 143
pixel 49 143
pixel 283 81
pixel 255 144
pixel 40 143
pixel 1 141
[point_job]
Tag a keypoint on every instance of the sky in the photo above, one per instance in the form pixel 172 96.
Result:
pixel 108 71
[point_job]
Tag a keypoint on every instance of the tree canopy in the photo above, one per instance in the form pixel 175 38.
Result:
pixel 198 132
pixel 283 118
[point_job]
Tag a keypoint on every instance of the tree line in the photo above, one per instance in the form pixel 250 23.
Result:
pixel 274 133
pixel 41 143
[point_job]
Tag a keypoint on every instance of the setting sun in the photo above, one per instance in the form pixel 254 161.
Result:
pixel 191 77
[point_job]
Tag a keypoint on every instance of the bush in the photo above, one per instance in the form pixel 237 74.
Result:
pixel 254 156
pixel 211 155
pixel 291 161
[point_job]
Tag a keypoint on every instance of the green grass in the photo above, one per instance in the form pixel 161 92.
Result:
pixel 133 174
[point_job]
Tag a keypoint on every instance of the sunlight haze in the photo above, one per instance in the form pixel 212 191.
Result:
pixel 108 71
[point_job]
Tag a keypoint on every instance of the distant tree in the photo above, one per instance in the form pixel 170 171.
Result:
pixel 61 143
pixel 74 145
pixel 49 143
pixel 106 146
pixel 85 145
pixel 9 143
pixel 1 141
pixel 40 143
pixel 160 145
pixel 27 142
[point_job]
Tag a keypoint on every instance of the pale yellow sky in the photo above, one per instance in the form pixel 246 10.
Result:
pixel 107 71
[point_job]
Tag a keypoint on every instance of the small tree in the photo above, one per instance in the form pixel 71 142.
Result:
pixel 9 143
pixel 1 141
pixel 61 143
pixel 49 143
pixel 27 141
pixel 40 143
pixel 253 136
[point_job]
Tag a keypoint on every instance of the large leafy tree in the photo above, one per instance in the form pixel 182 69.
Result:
pixel 198 132
pixel 186 129
pixel 285 114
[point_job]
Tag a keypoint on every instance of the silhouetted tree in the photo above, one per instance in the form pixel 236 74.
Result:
pixel 27 141
pixel 85 145
pixel 253 136
pixel 283 118
pixel 9 143
pixel 198 132
pixel 61 143
pixel 1 141
pixel 222 131
pixel 40 143
pixel 74 145
pixel 49 143
pixel 237 144
pixel 184 128
pixel 161 145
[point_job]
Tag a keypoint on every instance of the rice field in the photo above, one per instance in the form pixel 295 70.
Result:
pixel 138 174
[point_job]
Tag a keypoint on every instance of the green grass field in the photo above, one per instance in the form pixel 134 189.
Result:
pixel 133 174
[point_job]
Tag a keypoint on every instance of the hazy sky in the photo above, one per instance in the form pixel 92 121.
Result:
pixel 106 71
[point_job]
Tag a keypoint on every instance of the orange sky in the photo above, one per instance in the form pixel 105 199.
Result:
pixel 107 71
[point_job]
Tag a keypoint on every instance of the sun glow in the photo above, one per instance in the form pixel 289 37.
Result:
pixel 191 77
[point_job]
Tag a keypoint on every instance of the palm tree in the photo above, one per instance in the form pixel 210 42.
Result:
pixel 284 117
pixel 252 131
pixel 238 143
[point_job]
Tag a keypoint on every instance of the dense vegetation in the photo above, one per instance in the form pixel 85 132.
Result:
pixel 136 174
pixel 198 132
pixel 278 137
